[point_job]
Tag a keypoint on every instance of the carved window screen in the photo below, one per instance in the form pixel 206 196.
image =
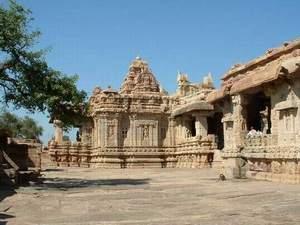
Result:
pixel 124 132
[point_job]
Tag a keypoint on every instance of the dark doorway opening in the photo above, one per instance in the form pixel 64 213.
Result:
pixel 215 127
pixel 259 112
pixel 190 125
pixel 193 127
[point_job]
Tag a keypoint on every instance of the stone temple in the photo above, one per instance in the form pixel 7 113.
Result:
pixel 249 127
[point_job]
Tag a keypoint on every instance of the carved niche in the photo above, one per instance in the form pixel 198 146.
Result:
pixel 147 133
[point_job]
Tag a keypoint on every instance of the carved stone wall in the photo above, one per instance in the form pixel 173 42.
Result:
pixel 270 156
pixel 134 127
pixel 142 126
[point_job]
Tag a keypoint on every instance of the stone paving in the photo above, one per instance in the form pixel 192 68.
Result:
pixel 149 196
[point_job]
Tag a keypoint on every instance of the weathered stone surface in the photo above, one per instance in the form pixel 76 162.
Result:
pixel 255 115
pixel 150 196
pixel 261 119
pixel 136 128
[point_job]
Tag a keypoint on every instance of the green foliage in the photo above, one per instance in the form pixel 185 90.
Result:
pixel 10 123
pixel 30 129
pixel 20 127
pixel 26 80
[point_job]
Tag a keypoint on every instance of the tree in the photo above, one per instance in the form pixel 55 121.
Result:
pixel 18 127
pixel 30 129
pixel 10 123
pixel 26 80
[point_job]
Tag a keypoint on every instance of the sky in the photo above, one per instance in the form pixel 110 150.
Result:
pixel 97 39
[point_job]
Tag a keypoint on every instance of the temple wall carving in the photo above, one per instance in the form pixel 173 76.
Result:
pixel 135 127
pixel 262 129
pixel 250 127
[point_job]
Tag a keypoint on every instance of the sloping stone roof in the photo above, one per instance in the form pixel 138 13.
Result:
pixel 194 106
pixel 284 61
pixel 271 54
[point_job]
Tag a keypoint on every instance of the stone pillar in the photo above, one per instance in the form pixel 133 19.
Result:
pixel 58 133
pixel 171 131
pixel 151 135
pixel 201 126
pixel 183 129
pixel 93 134
pixel 180 133
pixel 133 128
pixel 116 130
pixel 235 131
pixel 155 134
pixel 239 125
pixel 102 130
pixel 96 131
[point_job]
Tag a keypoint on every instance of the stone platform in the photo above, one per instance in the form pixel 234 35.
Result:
pixel 89 196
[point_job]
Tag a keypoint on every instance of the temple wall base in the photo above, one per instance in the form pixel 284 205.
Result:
pixel 84 156
pixel 270 163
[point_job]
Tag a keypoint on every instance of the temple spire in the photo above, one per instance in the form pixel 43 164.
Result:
pixel 139 78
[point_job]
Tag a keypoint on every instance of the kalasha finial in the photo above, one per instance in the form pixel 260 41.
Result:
pixel 138 58
pixel 97 90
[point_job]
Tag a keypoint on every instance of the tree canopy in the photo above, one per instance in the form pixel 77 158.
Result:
pixel 26 80
pixel 18 127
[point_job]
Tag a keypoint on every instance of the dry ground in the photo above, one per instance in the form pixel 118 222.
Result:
pixel 76 196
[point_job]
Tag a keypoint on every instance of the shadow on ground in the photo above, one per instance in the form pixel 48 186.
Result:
pixel 6 191
pixel 53 170
pixel 69 183
pixel 4 217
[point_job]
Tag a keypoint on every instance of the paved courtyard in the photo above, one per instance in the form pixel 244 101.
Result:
pixel 149 196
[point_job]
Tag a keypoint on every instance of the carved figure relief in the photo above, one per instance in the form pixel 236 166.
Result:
pixel 146 80
pixel 145 132
pixel 276 167
pixel 287 118
pixel 110 132
pixel 188 133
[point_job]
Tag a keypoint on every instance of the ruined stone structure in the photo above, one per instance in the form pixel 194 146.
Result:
pixel 20 160
pixel 142 126
pixel 251 125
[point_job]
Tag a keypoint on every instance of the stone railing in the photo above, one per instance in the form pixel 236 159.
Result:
pixel 267 159
pixel 261 140
pixel 267 147
pixel 197 144
pixel 196 152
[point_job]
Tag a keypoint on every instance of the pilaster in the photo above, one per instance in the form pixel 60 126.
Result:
pixel 58 131
pixel 201 126
pixel 239 124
